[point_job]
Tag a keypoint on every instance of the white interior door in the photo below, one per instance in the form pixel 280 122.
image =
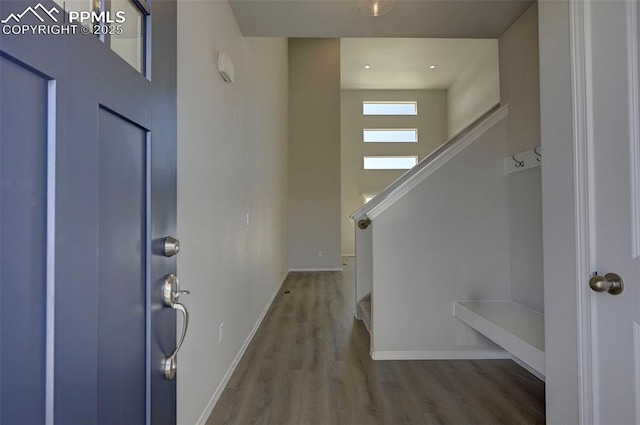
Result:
pixel 614 168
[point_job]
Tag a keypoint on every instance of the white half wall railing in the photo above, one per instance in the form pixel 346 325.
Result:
pixel 427 166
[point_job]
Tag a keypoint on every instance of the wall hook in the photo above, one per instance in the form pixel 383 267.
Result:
pixel 518 163
pixel 535 150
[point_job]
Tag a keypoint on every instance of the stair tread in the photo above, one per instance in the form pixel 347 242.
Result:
pixel 364 310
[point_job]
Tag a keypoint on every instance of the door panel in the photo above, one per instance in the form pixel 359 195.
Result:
pixel 109 332
pixel 121 331
pixel 23 217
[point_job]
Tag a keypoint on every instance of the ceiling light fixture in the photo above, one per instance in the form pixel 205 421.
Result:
pixel 367 66
pixel 432 67
pixel 375 8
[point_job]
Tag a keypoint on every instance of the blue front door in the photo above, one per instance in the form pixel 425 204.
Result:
pixel 87 191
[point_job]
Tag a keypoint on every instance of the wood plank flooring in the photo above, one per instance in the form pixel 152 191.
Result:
pixel 309 364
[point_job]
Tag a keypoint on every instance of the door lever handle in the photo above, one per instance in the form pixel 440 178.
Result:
pixel 171 290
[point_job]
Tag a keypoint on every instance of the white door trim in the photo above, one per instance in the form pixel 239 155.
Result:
pixel 634 121
pixel 634 140
pixel 580 31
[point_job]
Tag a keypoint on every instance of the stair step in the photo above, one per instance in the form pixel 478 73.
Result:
pixel 364 311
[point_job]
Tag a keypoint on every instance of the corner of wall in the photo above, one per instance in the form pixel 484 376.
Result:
pixel 519 86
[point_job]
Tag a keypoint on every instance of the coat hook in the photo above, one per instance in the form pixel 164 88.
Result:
pixel 518 163
pixel 535 150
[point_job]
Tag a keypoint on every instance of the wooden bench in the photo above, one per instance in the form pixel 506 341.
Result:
pixel 516 328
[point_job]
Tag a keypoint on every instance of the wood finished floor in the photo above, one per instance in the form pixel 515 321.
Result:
pixel 309 364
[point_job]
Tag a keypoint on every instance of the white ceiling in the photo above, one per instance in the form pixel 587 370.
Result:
pixel 403 63
pixel 408 18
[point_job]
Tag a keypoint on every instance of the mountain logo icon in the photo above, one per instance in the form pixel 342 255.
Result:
pixel 34 11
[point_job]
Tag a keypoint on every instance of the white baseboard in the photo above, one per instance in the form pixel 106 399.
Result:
pixel 441 355
pixel 316 270
pixel 528 368
pixel 227 376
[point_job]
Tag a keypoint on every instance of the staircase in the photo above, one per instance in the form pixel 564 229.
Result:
pixel 437 235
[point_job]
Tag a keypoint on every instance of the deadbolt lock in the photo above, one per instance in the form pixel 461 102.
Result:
pixel 171 246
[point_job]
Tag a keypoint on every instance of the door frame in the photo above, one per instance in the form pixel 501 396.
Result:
pixel 582 111
pixel 579 14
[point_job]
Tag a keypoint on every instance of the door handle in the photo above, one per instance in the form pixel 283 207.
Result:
pixel 610 282
pixel 171 362
pixel 171 295
pixel 171 290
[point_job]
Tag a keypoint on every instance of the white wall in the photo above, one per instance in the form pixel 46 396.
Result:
pixel 232 161
pixel 558 214
pixel 520 88
pixel 474 92
pixel 446 240
pixel 525 237
pixel 314 152
pixel 431 123
pixel 520 81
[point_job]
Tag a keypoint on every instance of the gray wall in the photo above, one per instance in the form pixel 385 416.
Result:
pixel 232 161
pixel 558 214
pixel 314 154
pixel 431 123
pixel 520 88
pixel 474 92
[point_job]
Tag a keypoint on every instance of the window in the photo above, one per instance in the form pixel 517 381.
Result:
pixel 405 135
pixel 389 108
pixel 389 162
pixel 368 196
pixel 129 44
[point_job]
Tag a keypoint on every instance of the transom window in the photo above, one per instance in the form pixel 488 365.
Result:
pixel 390 108
pixel 389 162
pixel 391 135
pixel 121 24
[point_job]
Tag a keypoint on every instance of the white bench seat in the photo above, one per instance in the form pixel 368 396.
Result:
pixel 516 328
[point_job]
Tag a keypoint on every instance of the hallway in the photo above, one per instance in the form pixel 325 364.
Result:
pixel 309 364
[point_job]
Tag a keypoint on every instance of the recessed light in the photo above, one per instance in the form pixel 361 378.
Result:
pixel 367 66
pixel 432 67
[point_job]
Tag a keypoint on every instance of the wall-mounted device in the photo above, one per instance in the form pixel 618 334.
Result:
pixel 225 67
